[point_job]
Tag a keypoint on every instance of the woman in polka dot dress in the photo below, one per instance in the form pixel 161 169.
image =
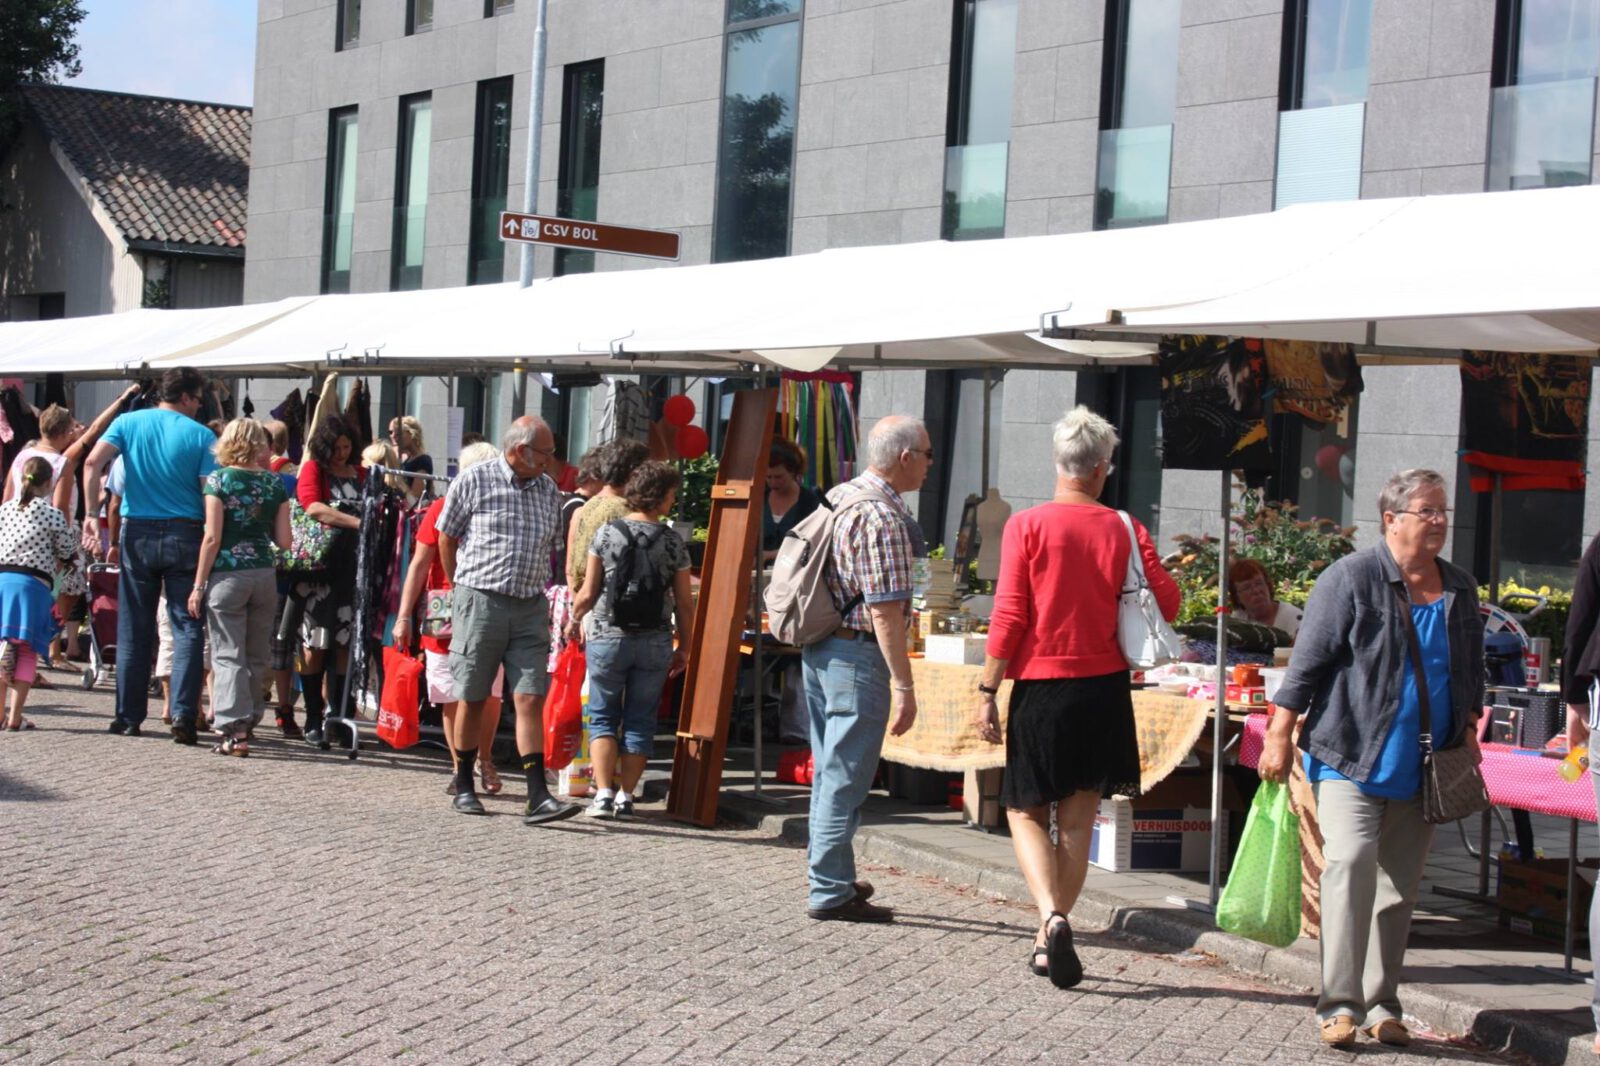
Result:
pixel 35 543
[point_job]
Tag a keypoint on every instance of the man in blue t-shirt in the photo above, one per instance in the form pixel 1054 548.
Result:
pixel 166 455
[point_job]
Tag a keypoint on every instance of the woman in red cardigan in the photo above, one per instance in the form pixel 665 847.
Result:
pixel 1069 736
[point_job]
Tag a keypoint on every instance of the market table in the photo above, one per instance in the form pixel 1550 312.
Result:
pixel 944 736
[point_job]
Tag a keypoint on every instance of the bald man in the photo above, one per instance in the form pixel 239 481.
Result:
pixel 500 521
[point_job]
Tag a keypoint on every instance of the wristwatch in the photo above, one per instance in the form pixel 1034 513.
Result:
pixel 986 690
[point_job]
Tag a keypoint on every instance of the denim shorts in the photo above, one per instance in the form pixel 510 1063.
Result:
pixel 626 676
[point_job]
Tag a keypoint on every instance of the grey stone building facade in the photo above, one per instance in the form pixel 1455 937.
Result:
pixel 386 130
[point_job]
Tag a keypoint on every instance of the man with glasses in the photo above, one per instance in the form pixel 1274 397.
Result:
pixel 167 455
pixel 499 524
pixel 858 681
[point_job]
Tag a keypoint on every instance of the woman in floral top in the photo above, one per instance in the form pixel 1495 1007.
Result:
pixel 247 513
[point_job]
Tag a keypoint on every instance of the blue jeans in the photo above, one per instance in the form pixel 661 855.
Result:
pixel 157 555
pixel 847 698
pixel 626 676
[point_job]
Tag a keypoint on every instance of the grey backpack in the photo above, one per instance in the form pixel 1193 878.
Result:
pixel 800 607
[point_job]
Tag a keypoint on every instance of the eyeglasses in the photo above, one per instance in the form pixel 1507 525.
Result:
pixel 548 453
pixel 1110 468
pixel 1430 514
pixel 926 453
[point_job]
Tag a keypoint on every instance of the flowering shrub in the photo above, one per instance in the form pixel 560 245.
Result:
pixel 1293 552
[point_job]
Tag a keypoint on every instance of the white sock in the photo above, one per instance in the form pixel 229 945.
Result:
pixel 604 793
pixel 624 796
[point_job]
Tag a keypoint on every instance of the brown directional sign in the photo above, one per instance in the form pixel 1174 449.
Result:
pixel 589 236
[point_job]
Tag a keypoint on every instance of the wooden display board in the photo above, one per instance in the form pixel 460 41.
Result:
pixel 735 527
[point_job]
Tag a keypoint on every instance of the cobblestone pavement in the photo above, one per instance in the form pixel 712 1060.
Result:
pixel 163 904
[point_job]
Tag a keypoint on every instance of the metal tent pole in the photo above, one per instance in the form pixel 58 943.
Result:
pixel 1496 516
pixel 1219 834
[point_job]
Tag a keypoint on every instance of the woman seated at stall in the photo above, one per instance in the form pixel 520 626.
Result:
pixel 788 501
pixel 1250 594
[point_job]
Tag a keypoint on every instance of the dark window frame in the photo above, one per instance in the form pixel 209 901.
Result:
pixel 569 260
pixel 414 27
pixel 342 40
pixel 491 8
pixel 729 28
pixel 402 192
pixel 331 182
pixel 476 240
pixel 1113 64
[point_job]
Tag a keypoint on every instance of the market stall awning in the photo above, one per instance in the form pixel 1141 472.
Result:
pixel 1488 271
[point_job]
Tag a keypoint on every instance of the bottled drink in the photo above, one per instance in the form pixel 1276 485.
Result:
pixel 1574 765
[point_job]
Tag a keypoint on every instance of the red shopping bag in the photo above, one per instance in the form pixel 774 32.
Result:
pixel 400 700
pixel 563 708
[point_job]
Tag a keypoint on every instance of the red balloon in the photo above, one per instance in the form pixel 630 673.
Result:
pixel 679 410
pixel 1327 460
pixel 692 442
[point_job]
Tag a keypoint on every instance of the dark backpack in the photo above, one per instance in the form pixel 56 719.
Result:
pixel 636 591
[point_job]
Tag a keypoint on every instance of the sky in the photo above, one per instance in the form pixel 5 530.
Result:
pixel 190 49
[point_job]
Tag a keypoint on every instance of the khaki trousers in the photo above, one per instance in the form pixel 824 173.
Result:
pixel 1375 849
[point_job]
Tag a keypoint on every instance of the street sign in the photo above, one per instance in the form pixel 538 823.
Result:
pixel 589 236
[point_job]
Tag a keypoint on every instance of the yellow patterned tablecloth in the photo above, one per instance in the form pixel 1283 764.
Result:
pixel 945 738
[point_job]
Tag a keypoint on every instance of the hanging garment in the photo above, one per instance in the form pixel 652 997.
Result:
pixel 1212 414
pixel 1314 379
pixel 1525 416
pixel 24 423
pixel 627 413
pixel 358 412
pixel 292 413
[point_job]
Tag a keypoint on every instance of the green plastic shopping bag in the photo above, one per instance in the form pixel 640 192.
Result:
pixel 1262 897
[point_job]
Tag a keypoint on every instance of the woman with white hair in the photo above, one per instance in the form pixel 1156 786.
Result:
pixel 1390 651
pixel 1070 736
pixel 426 575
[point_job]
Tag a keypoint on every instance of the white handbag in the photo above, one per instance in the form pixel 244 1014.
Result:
pixel 1146 639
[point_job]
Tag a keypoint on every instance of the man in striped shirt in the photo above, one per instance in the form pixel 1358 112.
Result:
pixel 858 681
pixel 499 523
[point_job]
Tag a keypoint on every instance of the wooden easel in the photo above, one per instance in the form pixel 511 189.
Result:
pixel 735 526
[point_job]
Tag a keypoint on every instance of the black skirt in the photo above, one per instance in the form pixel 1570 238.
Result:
pixel 1070 734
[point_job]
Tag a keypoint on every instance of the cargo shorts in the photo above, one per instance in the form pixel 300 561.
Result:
pixel 488 629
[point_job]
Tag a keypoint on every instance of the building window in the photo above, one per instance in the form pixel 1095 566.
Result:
pixel 1139 91
pixel 1322 94
pixel 984 45
pixel 419 16
pixel 490 170
pixel 411 190
pixel 347 34
pixel 1131 399
pixel 338 228
pixel 491 8
pixel 578 180
pixel 1316 465
pixel 755 157
pixel 1541 124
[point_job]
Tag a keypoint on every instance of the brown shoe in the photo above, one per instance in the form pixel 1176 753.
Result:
pixel 1339 1031
pixel 1391 1032
pixel 856 910
pixel 864 890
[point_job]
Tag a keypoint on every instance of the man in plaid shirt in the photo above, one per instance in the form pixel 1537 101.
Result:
pixel 499 523
pixel 858 681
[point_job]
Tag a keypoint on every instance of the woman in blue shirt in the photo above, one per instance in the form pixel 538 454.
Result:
pixel 1352 687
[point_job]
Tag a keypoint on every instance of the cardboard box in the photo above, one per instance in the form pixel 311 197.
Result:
pixel 980 797
pixel 1143 838
pixel 962 649
pixel 1251 695
pixel 1532 897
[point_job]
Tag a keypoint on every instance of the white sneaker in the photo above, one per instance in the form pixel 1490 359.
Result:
pixel 602 807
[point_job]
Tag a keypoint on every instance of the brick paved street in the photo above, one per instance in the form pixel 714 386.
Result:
pixel 162 904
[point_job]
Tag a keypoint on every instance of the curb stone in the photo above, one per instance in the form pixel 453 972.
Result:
pixel 1439 1008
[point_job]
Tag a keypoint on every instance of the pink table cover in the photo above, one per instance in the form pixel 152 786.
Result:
pixel 1515 778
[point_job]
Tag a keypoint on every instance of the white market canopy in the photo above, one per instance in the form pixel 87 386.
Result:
pixel 1505 271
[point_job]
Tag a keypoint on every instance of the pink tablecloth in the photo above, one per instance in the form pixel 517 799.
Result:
pixel 1515 778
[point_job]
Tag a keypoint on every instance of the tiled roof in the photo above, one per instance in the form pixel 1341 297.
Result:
pixel 167 171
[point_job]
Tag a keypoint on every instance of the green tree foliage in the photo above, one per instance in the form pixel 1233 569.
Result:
pixel 36 44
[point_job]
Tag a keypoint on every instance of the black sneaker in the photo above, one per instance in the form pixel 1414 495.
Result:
pixel 548 809
pixel 468 803
pixel 122 729
pixel 603 807
pixel 313 736
pixel 183 733
pixel 624 808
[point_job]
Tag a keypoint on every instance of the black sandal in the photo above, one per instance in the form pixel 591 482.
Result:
pixel 1065 969
pixel 1040 968
pixel 287 726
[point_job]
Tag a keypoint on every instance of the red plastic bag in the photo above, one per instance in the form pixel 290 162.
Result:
pixel 401 699
pixel 563 708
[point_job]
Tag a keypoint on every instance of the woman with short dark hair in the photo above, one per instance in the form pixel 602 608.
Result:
pixel 1250 594
pixel 637 583
pixel 788 500
pixel 329 489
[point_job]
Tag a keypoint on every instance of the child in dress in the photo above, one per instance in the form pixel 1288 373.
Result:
pixel 35 543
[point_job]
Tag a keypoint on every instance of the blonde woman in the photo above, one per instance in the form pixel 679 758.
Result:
pixel 405 433
pixel 35 542
pixel 235 584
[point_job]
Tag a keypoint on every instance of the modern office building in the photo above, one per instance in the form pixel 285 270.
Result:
pixel 389 133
